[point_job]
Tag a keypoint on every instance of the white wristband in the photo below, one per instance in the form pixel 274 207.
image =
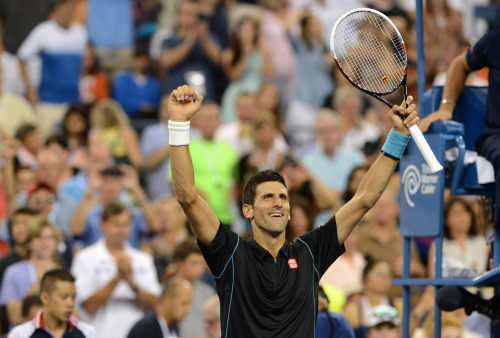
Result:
pixel 178 133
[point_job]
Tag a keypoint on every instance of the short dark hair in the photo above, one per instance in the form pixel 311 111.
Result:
pixel 50 277
pixel 184 249
pixel 24 130
pixel 171 286
pixel 112 209
pixel 26 211
pixel 29 302
pixel 57 3
pixel 261 177
pixel 58 139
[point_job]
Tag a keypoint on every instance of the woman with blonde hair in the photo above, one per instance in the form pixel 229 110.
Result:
pixel 23 278
pixel 111 126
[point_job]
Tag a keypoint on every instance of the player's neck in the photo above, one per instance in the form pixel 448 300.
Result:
pixel 270 243
pixel 53 325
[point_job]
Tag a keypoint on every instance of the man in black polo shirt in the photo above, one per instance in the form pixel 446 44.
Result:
pixel 268 287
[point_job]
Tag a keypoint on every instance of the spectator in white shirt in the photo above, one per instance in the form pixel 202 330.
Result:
pixel 116 283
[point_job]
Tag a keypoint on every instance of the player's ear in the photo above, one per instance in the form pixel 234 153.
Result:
pixel 248 211
pixel 44 297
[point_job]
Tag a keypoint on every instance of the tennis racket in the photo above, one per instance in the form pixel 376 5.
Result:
pixel 371 54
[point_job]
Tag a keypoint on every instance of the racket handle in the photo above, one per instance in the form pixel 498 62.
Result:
pixel 425 150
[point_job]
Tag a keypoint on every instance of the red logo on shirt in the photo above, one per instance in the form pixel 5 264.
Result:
pixel 293 263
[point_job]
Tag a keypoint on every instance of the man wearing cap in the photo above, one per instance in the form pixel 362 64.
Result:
pixel 106 188
pixel 383 322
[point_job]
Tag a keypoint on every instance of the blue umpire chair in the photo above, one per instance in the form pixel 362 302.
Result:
pixel 422 193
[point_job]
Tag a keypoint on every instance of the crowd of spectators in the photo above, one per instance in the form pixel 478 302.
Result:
pixel 84 157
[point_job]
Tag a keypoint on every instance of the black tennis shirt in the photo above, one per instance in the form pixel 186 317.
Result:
pixel 263 297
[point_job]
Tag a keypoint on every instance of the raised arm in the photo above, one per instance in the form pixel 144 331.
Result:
pixel 376 179
pixel 182 108
pixel 455 81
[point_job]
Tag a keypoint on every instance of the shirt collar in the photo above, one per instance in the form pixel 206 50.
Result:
pixel 101 244
pixel 39 324
pixel 165 330
pixel 260 252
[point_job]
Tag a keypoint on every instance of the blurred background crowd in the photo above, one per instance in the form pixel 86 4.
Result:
pixel 84 154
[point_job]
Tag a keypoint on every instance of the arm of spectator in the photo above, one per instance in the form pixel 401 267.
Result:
pixel 209 46
pixel 157 157
pixel 453 87
pixel 431 260
pixel 203 220
pixel 130 181
pixel 94 302
pixel 324 197
pixel 7 171
pixel 132 143
pixel 31 93
pixel 14 313
pixel 89 200
pixel 417 269
pixel 233 71
pixel 147 299
pixel 171 57
pixel 30 48
pixel 267 65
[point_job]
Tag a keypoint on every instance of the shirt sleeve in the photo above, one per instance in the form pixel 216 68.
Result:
pixel 10 291
pixel 218 253
pixel 476 55
pixel 324 244
pixel 83 273
pixel 32 45
pixel 170 43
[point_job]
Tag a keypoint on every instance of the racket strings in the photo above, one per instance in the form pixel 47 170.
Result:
pixel 370 52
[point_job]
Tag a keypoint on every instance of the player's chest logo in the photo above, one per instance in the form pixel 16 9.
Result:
pixel 293 263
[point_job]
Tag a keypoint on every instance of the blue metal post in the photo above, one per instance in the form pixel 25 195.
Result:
pixel 406 288
pixel 420 48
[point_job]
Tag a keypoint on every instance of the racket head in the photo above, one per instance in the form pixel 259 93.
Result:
pixel 369 51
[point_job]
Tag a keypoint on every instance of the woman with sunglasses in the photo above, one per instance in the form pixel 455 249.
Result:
pixel 377 279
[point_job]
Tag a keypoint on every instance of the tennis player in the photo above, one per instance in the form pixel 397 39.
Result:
pixel 268 287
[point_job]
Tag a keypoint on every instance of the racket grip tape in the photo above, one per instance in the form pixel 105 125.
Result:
pixel 425 150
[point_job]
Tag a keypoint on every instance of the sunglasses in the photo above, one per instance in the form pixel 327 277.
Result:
pixel 383 313
pixel 46 199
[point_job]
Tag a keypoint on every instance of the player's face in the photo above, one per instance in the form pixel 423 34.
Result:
pixel 271 210
pixel 60 303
